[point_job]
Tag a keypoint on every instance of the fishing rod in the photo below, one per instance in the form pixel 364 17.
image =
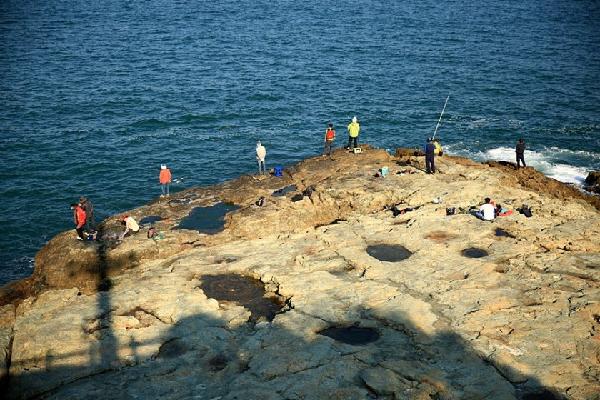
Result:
pixel 440 120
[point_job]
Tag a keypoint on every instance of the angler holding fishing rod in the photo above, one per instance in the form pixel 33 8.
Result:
pixel 432 147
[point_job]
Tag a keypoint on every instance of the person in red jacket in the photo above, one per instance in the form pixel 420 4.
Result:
pixel 79 218
pixel 165 180
pixel 329 138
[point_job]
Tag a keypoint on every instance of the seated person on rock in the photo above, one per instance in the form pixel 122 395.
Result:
pixel 487 212
pixel 130 226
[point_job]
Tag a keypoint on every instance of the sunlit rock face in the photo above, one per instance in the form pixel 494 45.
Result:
pixel 329 296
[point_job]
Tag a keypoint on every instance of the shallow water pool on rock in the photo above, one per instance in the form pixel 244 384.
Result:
pixel 474 252
pixel 353 335
pixel 247 292
pixel 209 220
pixel 389 252
pixel 150 219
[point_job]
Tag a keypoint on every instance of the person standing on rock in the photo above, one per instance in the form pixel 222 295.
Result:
pixel 88 207
pixel 429 157
pixel 353 132
pixel 164 178
pixel 261 153
pixel 79 218
pixel 520 150
pixel 329 138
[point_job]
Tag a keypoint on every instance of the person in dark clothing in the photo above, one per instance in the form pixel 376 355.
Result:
pixel 520 153
pixel 429 157
pixel 88 207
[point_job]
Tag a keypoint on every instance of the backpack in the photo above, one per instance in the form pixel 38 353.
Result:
pixel 330 134
pixel 526 211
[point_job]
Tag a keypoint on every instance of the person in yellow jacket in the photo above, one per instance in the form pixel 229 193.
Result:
pixel 353 131
pixel 438 147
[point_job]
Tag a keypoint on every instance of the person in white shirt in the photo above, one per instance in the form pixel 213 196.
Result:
pixel 130 226
pixel 487 211
pixel 261 153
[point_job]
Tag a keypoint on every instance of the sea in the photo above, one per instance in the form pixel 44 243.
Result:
pixel 94 96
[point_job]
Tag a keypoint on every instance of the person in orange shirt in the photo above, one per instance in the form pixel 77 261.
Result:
pixel 329 138
pixel 165 180
pixel 79 218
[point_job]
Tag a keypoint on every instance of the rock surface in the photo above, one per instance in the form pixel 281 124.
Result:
pixel 131 320
pixel 592 182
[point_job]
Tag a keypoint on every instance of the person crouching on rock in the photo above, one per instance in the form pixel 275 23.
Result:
pixel 329 138
pixel 130 226
pixel 487 212
pixel 164 178
pixel 79 218
pixel 429 156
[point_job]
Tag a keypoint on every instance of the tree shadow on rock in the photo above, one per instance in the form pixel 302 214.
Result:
pixel 209 356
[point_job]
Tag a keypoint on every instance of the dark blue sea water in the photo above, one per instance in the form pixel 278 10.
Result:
pixel 96 95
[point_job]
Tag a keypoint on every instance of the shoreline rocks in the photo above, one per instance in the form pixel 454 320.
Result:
pixel 592 182
pixel 133 320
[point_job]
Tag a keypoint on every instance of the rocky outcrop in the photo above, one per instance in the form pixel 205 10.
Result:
pixel 467 310
pixel 534 180
pixel 592 182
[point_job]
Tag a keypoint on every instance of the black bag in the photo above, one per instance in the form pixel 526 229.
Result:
pixel 450 211
pixel 525 210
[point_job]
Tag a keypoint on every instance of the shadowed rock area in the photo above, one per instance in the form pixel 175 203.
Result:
pixel 353 335
pixel 243 312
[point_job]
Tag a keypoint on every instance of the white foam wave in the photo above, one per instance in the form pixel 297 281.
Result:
pixel 582 153
pixel 542 161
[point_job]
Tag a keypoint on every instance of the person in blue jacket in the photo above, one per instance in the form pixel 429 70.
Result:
pixel 429 156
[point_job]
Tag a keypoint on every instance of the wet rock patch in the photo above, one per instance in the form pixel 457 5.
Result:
pixel 245 291
pixel 353 335
pixel 474 252
pixel 285 190
pixel 209 220
pixel 389 252
pixel 150 220
pixel 440 236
